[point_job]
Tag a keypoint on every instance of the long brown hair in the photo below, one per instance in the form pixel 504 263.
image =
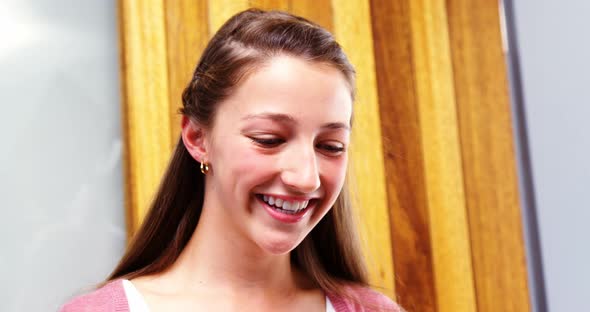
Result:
pixel 330 254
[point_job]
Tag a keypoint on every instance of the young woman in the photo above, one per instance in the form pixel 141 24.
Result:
pixel 253 213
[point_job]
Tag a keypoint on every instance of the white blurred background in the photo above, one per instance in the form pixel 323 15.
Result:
pixel 551 92
pixel 61 203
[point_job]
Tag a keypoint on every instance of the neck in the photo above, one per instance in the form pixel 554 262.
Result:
pixel 229 261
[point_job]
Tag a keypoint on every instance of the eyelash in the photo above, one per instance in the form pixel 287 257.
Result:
pixel 331 148
pixel 274 142
pixel 269 143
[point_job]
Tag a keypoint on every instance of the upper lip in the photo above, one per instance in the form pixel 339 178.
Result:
pixel 289 197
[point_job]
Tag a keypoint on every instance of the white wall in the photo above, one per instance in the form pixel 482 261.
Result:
pixel 61 203
pixel 553 47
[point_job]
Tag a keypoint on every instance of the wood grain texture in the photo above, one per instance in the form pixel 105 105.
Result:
pixel 449 230
pixel 352 28
pixel 268 5
pixel 318 11
pixel 488 156
pixel 145 103
pixel 221 10
pixel 423 161
pixel 432 112
pixel 187 34
pixel 401 135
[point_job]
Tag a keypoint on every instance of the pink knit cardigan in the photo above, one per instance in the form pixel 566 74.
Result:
pixel 112 298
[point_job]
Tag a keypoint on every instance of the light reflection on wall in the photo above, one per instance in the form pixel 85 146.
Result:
pixel 62 215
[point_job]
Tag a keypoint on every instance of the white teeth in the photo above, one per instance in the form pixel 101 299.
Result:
pixel 287 206
pixel 293 206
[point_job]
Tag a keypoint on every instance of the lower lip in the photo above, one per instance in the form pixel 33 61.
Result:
pixel 283 217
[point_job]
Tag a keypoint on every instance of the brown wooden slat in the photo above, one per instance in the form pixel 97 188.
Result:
pixel 269 5
pixel 449 230
pixel 403 156
pixel 488 156
pixel 187 34
pixel 423 156
pixel 352 28
pixel 144 76
pixel 221 10
pixel 318 11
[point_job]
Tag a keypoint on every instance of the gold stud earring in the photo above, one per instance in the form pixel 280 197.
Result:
pixel 204 167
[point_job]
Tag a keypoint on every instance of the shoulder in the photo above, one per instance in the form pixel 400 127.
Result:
pixel 360 298
pixel 110 297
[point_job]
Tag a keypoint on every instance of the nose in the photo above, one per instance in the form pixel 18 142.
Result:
pixel 300 170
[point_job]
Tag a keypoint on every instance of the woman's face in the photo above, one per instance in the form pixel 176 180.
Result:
pixel 278 151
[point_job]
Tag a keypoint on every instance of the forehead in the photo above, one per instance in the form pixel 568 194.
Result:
pixel 290 85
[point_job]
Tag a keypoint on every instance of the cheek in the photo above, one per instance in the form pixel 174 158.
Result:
pixel 334 172
pixel 245 166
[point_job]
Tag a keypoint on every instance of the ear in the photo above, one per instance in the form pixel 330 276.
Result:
pixel 194 139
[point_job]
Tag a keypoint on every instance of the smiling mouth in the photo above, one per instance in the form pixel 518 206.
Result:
pixel 287 207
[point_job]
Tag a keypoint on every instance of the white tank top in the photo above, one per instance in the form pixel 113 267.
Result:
pixel 138 304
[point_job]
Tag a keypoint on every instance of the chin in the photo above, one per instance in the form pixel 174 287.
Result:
pixel 280 244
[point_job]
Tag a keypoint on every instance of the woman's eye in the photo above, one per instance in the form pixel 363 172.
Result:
pixel 331 148
pixel 268 142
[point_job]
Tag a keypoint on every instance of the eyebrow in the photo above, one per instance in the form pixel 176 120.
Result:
pixel 284 118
